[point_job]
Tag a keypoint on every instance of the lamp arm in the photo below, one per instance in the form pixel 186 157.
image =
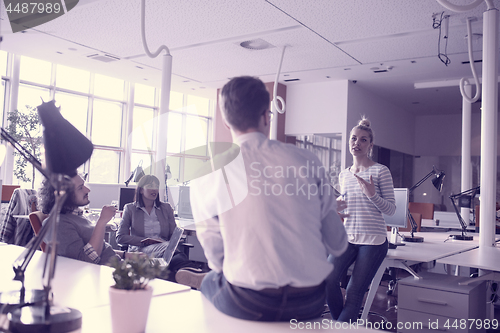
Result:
pixel 24 153
pixel 472 191
pixel 460 218
pixel 412 223
pixel 129 178
pixel 422 180
pixel 22 262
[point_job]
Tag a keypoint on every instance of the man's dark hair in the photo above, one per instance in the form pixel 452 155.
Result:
pixel 47 198
pixel 244 100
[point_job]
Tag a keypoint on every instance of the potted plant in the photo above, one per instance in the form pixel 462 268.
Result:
pixel 131 295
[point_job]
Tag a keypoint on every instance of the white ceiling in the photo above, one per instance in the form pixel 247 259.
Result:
pixel 325 39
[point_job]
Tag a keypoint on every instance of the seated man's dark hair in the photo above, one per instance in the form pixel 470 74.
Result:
pixel 47 198
pixel 244 99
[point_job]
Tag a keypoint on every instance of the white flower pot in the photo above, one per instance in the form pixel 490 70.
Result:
pixel 129 309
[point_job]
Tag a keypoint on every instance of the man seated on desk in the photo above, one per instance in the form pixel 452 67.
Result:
pixel 77 237
pixel 267 250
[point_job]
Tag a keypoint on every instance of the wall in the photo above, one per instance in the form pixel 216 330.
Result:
pixel 393 127
pixel 316 108
pixel 103 194
pixel 431 140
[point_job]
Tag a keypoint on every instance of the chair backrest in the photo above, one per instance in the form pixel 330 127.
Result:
pixel 36 219
pixel 423 208
pixel 7 191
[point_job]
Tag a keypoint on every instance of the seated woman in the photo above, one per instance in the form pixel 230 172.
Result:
pixel 147 225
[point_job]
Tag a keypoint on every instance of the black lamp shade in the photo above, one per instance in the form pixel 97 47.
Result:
pixel 438 181
pixel 65 147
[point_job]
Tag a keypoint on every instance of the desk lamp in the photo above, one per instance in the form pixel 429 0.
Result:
pixel 465 199
pixel 438 184
pixel 65 150
pixel 137 174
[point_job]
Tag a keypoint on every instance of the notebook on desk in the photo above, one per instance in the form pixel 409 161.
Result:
pixel 171 247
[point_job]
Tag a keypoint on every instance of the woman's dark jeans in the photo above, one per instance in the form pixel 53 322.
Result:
pixel 367 260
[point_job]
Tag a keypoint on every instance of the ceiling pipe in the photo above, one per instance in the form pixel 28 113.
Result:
pixel 161 140
pixel 275 108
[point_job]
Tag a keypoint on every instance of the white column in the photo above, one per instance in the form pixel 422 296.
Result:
pixel 8 164
pixel 161 137
pixel 489 129
pixel 466 149
pixel 273 134
pixel 127 169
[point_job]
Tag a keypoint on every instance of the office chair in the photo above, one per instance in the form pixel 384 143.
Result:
pixel 36 219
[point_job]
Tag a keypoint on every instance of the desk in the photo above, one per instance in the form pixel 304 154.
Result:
pixel 191 312
pixel 445 224
pixel 21 216
pixel 174 308
pixel 76 284
pixel 433 248
pixel 487 258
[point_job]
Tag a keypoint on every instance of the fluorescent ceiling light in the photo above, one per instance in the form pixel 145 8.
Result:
pixel 444 83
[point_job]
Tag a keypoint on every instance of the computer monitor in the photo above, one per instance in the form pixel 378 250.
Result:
pixel 127 195
pixel 400 217
pixel 184 203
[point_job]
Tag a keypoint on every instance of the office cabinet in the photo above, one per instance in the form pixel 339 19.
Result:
pixel 438 302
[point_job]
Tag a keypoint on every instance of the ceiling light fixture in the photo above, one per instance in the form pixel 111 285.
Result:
pixel 256 44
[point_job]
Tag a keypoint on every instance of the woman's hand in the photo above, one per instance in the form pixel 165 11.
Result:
pixel 368 188
pixel 341 205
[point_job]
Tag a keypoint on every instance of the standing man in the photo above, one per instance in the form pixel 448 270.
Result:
pixel 266 217
pixel 77 237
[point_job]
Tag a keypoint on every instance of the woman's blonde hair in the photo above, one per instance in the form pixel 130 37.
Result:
pixel 364 124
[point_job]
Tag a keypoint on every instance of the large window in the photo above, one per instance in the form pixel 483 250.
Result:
pixel 123 135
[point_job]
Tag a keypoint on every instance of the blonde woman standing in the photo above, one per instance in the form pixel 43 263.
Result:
pixel 367 189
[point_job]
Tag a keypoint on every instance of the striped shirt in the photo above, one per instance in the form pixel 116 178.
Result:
pixel 366 225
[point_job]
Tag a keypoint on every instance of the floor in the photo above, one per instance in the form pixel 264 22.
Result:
pixel 384 308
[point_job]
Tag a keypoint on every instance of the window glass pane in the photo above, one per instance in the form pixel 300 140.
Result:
pixel 35 70
pixel 196 134
pixel 144 94
pixel 174 133
pixel 3 63
pixel 104 166
pixel 2 97
pixel 74 109
pixel 109 87
pixel 198 105
pixel 29 172
pixel 72 79
pixel 32 96
pixel 176 102
pixel 106 123
pixel 142 134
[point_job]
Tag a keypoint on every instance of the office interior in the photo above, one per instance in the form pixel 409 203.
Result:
pixel 339 60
